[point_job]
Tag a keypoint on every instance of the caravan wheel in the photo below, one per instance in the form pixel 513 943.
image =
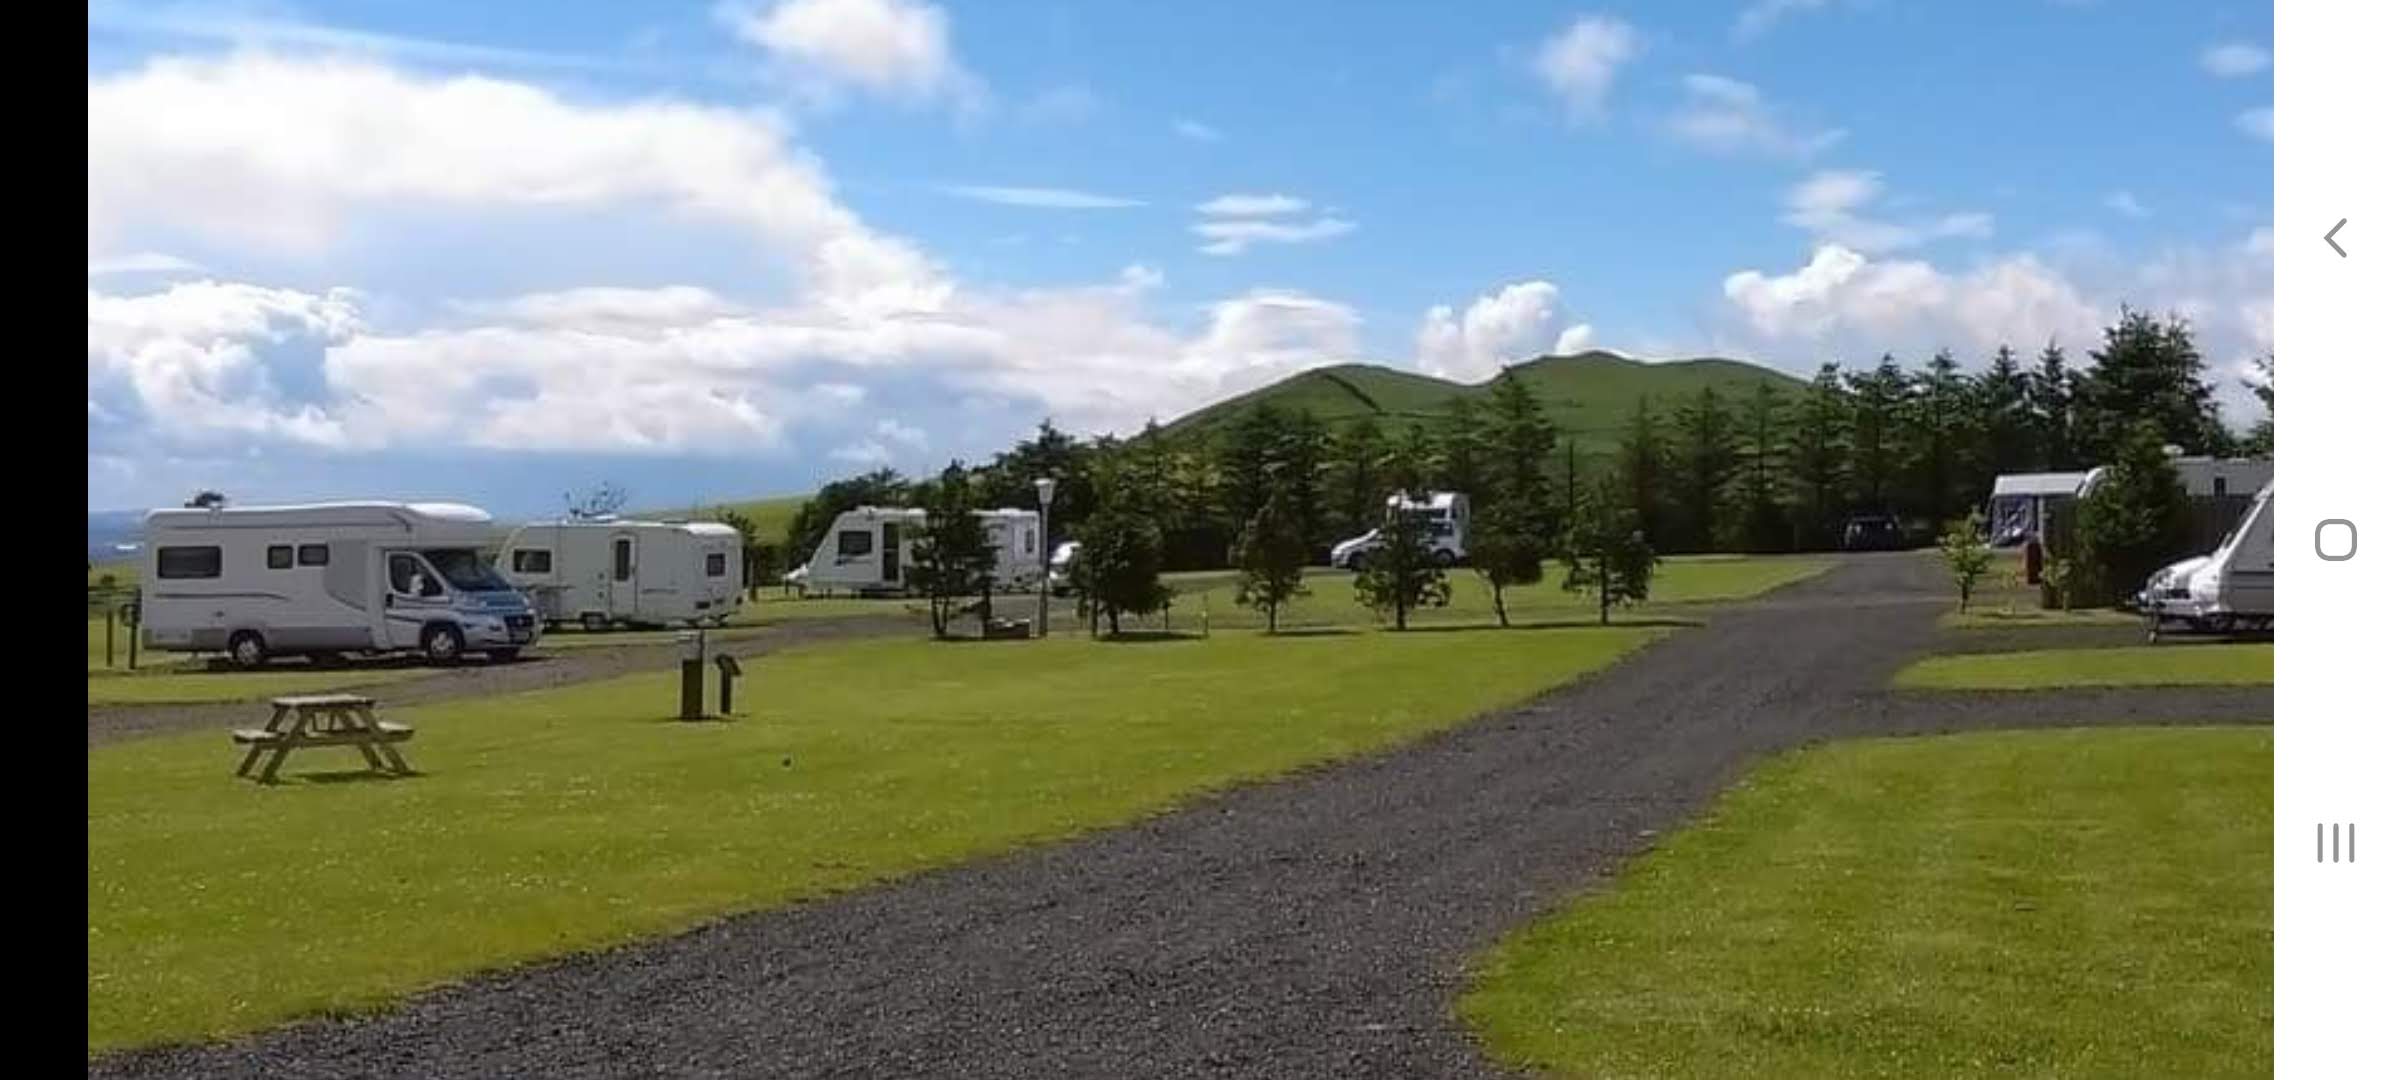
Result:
pixel 594 622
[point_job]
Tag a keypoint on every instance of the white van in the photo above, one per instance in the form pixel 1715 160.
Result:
pixel 259 581
pixel 2229 589
pixel 604 572
pixel 866 551
pixel 1445 516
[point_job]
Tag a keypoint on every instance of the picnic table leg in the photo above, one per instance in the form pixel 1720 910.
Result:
pixel 274 762
pixel 258 750
pixel 391 750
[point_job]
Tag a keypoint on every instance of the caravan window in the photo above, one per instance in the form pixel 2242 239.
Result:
pixel 854 542
pixel 530 560
pixel 279 556
pixel 314 555
pixel 182 563
pixel 1028 543
pixel 624 566
pixel 716 564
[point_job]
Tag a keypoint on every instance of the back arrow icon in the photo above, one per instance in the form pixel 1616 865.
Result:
pixel 2337 248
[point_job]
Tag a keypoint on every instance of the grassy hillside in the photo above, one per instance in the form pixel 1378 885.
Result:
pixel 1590 395
pixel 771 513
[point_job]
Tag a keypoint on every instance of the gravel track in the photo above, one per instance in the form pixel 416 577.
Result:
pixel 1318 926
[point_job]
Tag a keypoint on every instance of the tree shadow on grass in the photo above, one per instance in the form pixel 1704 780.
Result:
pixel 1149 637
pixel 1647 622
pixel 1313 631
pixel 346 776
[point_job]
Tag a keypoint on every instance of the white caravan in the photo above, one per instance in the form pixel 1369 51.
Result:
pixel 2022 505
pixel 1445 516
pixel 603 572
pixel 328 578
pixel 2229 589
pixel 866 551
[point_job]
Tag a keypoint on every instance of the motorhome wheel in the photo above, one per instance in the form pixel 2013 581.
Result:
pixel 594 622
pixel 1442 558
pixel 248 650
pixel 442 643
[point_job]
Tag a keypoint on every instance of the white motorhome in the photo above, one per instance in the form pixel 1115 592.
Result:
pixel 2229 589
pixel 603 572
pixel 1444 514
pixel 323 579
pixel 866 551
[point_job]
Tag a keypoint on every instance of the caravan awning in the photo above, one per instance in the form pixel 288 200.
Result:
pixel 2040 483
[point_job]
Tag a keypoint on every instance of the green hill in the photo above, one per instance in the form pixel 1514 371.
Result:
pixel 1590 396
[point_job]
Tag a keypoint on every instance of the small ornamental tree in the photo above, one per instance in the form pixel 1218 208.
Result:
pixel 951 553
pixel 1271 554
pixel 1608 559
pixel 1116 569
pixel 2135 520
pixel 1509 546
pixel 1399 575
pixel 1967 556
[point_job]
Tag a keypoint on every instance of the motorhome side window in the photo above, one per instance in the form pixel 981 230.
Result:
pixel 315 555
pixel 409 577
pixel 531 560
pixel 279 556
pixel 624 563
pixel 716 564
pixel 184 563
pixel 854 542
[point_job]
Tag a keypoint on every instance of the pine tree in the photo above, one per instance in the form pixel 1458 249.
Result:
pixel 1522 440
pixel 1405 465
pixel 1271 555
pixel 1116 569
pixel 1877 399
pixel 1461 464
pixel 2135 520
pixel 1358 490
pixel 1709 458
pixel 1608 559
pixel 1399 575
pixel 1642 470
pixel 2053 393
pixel 1819 454
pixel 1509 545
pixel 1936 414
pixel 2004 420
pixel 2150 370
pixel 1764 525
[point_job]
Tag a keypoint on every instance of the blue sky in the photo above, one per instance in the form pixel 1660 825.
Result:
pixel 493 252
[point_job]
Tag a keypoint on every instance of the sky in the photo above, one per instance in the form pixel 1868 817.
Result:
pixel 498 252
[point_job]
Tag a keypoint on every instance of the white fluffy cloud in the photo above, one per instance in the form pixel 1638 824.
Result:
pixel 1728 116
pixel 1581 61
pixel 1762 15
pixel 1252 205
pixel 2233 59
pixel 2258 123
pixel 1845 304
pixel 1515 323
pixel 897 49
pixel 280 154
pixel 1833 206
pixel 198 352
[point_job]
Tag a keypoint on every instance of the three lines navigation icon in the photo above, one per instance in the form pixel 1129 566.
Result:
pixel 2345 841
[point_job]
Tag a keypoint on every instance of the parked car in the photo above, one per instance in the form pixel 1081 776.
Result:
pixel 1871 532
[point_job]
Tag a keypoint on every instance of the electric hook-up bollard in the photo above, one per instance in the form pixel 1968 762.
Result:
pixel 693 645
pixel 728 669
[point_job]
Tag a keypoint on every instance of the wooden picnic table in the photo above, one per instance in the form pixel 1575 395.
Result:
pixel 323 720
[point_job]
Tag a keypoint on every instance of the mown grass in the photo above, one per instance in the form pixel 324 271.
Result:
pixel 581 817
pixel 2210 664
pixel 2065 903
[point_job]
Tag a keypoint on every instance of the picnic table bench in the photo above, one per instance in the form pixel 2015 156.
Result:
pixel 323 720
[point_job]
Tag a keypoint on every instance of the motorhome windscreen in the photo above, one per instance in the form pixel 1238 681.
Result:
pixel 466 570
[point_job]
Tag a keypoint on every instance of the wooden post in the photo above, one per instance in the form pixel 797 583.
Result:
pixel 133 633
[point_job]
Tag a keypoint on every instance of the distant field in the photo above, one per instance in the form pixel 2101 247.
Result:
pixel 584 817
pixel 771 513
pixel 2181 664
pixel 1333 597
pixel 2064 903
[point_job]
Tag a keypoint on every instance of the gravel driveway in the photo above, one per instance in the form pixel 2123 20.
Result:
pixel 1317 926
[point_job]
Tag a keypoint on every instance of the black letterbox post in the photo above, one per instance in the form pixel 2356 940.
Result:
pixel 728 669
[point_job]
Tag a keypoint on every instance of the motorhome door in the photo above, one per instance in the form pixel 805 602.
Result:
pixel 624 588
pixel 412 595
pixel 891 553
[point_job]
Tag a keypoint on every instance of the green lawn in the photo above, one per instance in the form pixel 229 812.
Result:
pixel 1995 617
pixel 578 818
pixel 772 606
pixel 2211 664
pixel 2070 903
pixel 1333 601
